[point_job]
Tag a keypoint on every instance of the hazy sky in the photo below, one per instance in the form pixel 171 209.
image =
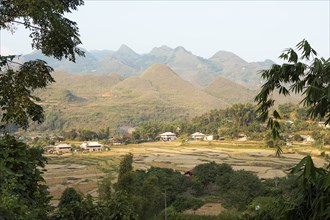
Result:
pixel 254 30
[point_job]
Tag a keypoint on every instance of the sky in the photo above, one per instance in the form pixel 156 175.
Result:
pixel 254 30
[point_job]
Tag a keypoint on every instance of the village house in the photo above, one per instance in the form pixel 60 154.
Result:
pixel 91 146
pixel 168 136
pixel 197 136
pixel 208 138
pixel 62 148
pixel 242 137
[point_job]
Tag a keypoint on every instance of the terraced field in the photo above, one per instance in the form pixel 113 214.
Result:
pixel 84 171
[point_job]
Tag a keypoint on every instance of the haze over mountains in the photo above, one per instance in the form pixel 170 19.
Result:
pixel 194 69
pixel 123 89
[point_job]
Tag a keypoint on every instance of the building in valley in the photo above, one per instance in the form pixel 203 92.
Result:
pixel 91 146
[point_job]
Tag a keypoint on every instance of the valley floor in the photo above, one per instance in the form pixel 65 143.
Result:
pixel 83 171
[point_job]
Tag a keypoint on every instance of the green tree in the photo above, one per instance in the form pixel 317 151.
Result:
pixel 239 188
pixel 75 206
pixel 87 135
pixel 151 197
pixel 170 180
pixel 119 207
pixel 242 114
pixel 306 74
pixel 301 114
pixel 125 175
pixel 286 109
pixel 126 165
pixel 23 193
pixel 105 187
pixel 207 173
pixel 313 196
pixel 103 133
pixel 309 75
pixel 51 33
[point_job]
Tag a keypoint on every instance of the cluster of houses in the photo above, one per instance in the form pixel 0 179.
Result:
pixel 197 136
pixel 97 147
pixel 66 148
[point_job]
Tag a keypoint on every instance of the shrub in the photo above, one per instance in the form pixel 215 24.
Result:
pixel 184 203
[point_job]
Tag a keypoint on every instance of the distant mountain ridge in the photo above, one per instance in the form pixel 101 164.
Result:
pixel 158 93
pixel 194 69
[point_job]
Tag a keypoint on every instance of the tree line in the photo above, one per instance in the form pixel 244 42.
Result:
pixel 235 120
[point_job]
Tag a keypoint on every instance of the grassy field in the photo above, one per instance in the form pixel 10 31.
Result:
pixel 84 170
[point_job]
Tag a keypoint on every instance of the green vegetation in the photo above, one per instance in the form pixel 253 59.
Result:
pixel 309 75
pixel 74 205
pixel 51 33
pixel 156 192
pixel 310 79
pixel 239 119
pixel 23 194
pixel 230 124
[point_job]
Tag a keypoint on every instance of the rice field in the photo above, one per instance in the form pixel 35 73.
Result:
pixel 83 171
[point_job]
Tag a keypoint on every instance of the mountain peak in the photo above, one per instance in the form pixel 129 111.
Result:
pixel 163 50
pixel 224 56
pixel 181 49
pixel 125 54
pixel 125 49
pixel 164 47
pixel 160 67
pixel 161 71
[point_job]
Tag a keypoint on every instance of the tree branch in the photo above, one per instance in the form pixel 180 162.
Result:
pixel 29 25
pixel 15 62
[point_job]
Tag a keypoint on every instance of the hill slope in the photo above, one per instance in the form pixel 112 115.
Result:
pixel 89 101
pixel 189 67
pixel 230 91
pixel 178 91
pixel 158 93
pixel 238 70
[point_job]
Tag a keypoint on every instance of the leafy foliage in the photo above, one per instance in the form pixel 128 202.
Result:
pixel 51 33
pixel 23 194
pixel 125 166
pixel 143 196
pixel 73 205
pixel 227 122
pixel 286 109
pixel 309 75
pixel 239 188
pixel 119 207
pixel 16 100
pixel 313 197
pixel 184 203
pixel 142 193
pixel 306 74
pixel 207 173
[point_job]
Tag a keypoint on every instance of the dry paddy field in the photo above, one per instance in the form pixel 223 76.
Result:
pixel 84 171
